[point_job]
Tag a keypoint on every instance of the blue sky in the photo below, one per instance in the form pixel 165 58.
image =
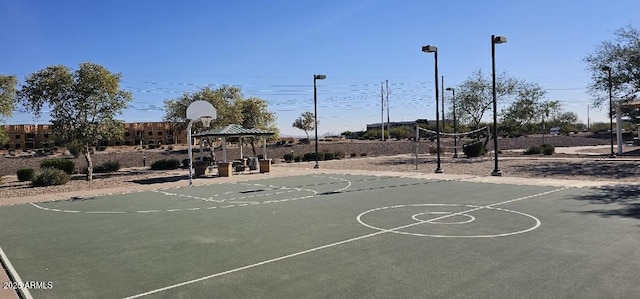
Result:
pixel 272 49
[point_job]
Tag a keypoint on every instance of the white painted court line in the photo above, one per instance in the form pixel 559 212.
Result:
pixel 5 260
pixel 333 245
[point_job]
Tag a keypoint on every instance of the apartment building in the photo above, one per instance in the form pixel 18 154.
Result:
pixel 33 136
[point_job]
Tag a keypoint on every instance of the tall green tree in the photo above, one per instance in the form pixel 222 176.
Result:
pixel 84 104
pixel 474 96
pixel 7 100
pixel 622 55
pixel 527 109
pixel 305 122
pixel 231 108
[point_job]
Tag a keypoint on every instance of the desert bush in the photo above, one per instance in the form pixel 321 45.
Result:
pixel 311 156
pixel 547 149
pixel 63 164
pixel 339 155
pixel 474 148
pixel 288 157
pixel 433 150
pixel 107 167
pixel 101 148
pixel 185 163
pixel 152 146
pixel 297 158
pixel 363 154
pixel 329 155
pixel 260 156
pixel 49 176
pixel 25 174
pixel 533 150
pixel 353 155
pixel 167 164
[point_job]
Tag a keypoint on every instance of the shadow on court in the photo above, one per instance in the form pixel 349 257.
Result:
pixel 160 180
pixel 607 171
pixel 626 197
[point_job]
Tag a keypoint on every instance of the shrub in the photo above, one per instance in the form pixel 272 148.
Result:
pixel 311 156
pixel 473 148
pixel 25 174
pixel 152 146
pixel 353 155
pixel 363 155
pixel 59 163
pixel 533 150
pixel 329 155
pixel 547 149
pixel 100 148
pixel 167 164
pixel 185 163
pixel 433 150
pixel 170 147
pixel 107 167
pixel 288 157
pixel 297 158
pixel 49 176
pixel 338 155
pixel 260 157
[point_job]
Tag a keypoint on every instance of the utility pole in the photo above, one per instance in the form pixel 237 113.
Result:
pixel 588 119
pixel 388 118
pixel 442 81
pixel 382 110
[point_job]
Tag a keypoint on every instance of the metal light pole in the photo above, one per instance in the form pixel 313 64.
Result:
pixel 495 40
pixel 455 122
pixel 434 50
pixel 315 112
pixel 608 70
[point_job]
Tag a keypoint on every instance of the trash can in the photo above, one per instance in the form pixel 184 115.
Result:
pixel 224 169
pixel 265 165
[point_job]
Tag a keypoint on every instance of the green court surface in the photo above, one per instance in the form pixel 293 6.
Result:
pixel 331 236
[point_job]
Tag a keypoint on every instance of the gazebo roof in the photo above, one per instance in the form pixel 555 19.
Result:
pixel 233 131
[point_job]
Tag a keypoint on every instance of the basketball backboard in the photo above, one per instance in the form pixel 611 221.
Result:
pixel 200 109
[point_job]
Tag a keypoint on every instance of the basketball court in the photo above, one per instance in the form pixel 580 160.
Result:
pixel 330 235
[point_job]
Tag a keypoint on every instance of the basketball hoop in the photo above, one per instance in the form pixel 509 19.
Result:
pixel 206 121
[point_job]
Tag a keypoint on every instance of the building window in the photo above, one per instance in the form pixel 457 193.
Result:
pixel 17 136
pixel 159 133
pixel 127 134
pixel 46 135
pixel 17 145
pixel 150 133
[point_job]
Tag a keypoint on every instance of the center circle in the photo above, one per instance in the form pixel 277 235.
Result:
pixel 416 217
pixel 436 221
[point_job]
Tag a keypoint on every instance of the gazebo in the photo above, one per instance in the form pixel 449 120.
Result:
pixel 234 130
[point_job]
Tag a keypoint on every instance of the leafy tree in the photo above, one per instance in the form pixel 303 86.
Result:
pixel 527 109
pixel 474 96
pixel 7 99
pixel 305 122
pixel 622 55
pixel 231 108
pixel 84 103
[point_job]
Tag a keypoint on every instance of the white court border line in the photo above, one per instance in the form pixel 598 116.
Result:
pixel 332 245
pixel 233 202
pixel 13 274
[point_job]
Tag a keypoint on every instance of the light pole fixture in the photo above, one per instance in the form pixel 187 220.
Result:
pixel 455 122
pixel 608 70
pixel 495 40
pixel 315 112
pixel 434 50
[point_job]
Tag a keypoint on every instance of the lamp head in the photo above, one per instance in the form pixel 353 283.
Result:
pixel 429 49
pixel 450 89
pixel 499 40
pixel 605 68
pixel 319 77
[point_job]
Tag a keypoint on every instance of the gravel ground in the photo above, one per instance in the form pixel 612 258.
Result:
pixel 381 156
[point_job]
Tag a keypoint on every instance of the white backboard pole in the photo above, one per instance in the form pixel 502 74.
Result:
pixel 196 111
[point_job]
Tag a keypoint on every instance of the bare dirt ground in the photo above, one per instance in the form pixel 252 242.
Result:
pixel 380 156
